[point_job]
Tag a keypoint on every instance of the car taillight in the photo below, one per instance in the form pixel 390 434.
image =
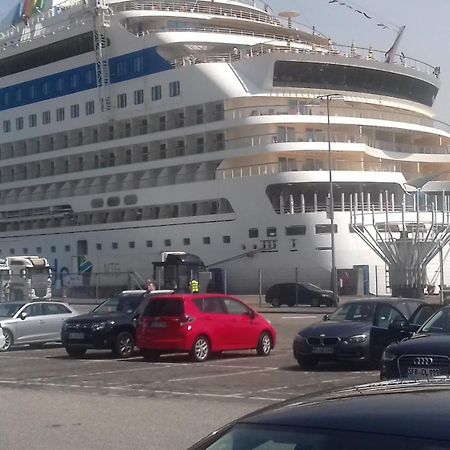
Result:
pixel 185 320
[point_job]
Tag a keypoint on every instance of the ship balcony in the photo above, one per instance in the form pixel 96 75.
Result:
pixel 288 135
pixel 303 108
pixel 232 11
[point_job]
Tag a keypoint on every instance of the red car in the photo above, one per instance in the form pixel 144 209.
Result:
pixel 201 324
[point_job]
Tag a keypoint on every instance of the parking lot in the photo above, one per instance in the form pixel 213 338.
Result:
pixel 99 401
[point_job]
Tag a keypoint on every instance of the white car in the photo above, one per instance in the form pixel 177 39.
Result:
pixel 33 323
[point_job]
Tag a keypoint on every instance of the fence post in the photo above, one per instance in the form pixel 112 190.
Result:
pixel 225 281
pixel 296 286
pixel 260 287
pixel 96 286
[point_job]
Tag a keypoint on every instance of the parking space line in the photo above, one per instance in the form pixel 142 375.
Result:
pixel 217 375
pixel 300 317
pixel 162 392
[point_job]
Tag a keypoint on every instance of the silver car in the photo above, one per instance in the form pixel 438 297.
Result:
pixel 2 338
pixel 32 323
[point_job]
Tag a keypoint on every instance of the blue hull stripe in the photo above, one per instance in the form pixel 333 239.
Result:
pixel 122 68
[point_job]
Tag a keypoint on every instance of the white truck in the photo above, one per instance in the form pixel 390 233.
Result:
pixel 25 278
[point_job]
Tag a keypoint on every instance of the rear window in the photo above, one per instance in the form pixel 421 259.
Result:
pixel 158 308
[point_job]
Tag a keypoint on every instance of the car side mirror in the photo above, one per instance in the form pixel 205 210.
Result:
pixel 326 317
pixel 399 325
pixel 23 315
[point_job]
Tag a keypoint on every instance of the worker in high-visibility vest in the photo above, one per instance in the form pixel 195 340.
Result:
pixel 194 286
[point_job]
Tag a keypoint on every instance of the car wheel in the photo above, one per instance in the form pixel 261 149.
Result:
pixel 307 362
pixel 75 352
pixel 9 340
pixel 264 344
pixel 150 355
pixel 276 303
pixel 201 349
pixel 291 303
pixel 124 345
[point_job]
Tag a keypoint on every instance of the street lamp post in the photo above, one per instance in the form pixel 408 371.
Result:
pixel 334 285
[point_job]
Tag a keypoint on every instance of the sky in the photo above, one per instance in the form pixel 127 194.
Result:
pixel 426 36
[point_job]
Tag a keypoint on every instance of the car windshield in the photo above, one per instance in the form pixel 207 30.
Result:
pixel 258 437
pixel 127 304
pixel 355 312
pixel 9 309
pixel 437 324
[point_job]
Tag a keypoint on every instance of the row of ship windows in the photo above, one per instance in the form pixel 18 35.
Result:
pixel 115 245
pixel 138 98
pixel 252 233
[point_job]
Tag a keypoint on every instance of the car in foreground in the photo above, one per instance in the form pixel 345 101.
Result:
pixel 202 324
pixel 299 294
pixel 388 416
pixel 359 330
pixel 33 323
pixel 424 355
pixel 111 325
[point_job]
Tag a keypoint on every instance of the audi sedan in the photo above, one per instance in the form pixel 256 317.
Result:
pixel 32 323
pixel 424 355
pixel 391 416
pixel 357 331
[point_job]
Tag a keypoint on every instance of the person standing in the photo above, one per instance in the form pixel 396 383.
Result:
pixel 194 286
pixel 150 286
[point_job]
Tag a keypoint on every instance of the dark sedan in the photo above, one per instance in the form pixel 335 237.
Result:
pixel 359 330
pixel 299 294
pixel 389 416
pixel 424 355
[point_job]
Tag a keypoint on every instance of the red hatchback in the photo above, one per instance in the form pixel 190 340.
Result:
pixel 201 324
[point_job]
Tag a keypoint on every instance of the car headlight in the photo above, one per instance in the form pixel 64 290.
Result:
pixel 101 325
pixel 388 355
pixel 358 338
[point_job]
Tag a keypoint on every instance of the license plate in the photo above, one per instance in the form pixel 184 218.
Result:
pixel 423 372
pixel 157 324
pixel 327 350
pixel 76 336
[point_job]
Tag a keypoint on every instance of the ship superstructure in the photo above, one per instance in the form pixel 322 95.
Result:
pixel 131 128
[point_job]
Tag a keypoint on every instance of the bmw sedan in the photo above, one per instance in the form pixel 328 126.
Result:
pixel 424 355
pixel 32 323
pixel 359 330
pixel 388 416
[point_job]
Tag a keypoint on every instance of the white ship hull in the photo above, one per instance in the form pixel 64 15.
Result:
pixel 174 130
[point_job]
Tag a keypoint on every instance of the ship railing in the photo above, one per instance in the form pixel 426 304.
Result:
pixel 286 44
pixel 297 201
pixel 22 32
pixel 321 137
pixel 351 51
pixel 305 165
pixel 301 107
pixel 196 7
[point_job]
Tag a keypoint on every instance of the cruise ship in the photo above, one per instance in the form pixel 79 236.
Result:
pixel 133 128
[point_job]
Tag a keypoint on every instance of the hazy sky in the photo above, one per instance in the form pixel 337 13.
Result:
pixel 426 37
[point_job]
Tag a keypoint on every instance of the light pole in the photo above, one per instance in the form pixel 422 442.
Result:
pixel 334 286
